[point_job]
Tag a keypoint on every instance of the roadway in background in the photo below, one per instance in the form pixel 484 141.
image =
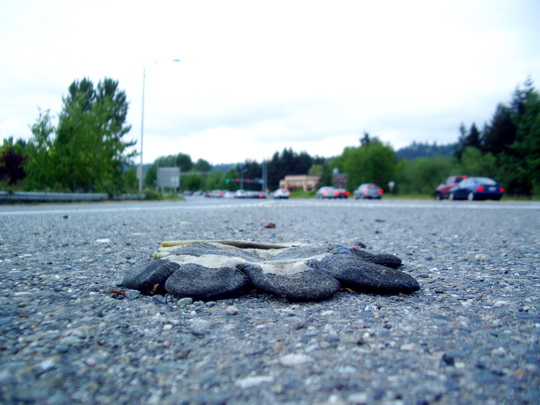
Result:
pixel 219 203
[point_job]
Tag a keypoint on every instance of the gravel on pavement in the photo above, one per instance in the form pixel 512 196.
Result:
pixel 71 334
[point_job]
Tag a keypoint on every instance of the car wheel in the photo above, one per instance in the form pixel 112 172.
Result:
pixel 439 197
pixel 470 197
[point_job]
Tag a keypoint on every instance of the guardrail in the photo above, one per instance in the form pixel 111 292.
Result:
pixel 32 196
pixel 125 197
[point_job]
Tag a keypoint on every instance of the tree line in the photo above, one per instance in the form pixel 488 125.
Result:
pixel 248 175
pixel 506 148
pixel 87 151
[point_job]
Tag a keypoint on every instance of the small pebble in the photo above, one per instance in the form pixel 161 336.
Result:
pixel 183 302
pixel 296 359
pixel 232 310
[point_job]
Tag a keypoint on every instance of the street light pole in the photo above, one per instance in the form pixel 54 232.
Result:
pixel 141 172
pixel 145 71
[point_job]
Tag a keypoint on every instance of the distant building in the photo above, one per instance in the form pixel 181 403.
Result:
pixel 303 181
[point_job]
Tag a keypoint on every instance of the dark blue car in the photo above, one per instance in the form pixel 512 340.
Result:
pixel 476 188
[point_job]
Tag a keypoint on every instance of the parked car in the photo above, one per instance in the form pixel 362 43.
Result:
pixel 343 193
pixel 229 194
pixel 216 193
pixel 327 192
pixel 368 190
pixel 476 188
pixel 443 190
pixel 255 194
pixel 240 194
pixel 281 193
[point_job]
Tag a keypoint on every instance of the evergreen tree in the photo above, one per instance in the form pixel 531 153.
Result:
pixel 527 143
pixel 287 163
pixel 500 133
pixel 520 98
pixel 303 163
pixel 517 164
pixel 419 150
pixel 250 169
pixel 365 140
pixel 467 139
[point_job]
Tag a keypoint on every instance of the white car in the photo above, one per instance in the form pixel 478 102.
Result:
pixel 281 193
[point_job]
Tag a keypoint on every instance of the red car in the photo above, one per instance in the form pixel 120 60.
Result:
pixel 343 193
pixel 443 191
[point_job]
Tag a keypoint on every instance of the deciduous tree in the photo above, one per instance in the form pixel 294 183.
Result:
pixel 373 162
pixel 40 173
pixel 421 176
pixel 88 149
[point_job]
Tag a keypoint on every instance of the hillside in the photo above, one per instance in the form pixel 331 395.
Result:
pixel 425 150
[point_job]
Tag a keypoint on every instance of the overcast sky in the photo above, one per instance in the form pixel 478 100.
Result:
pixel 259 76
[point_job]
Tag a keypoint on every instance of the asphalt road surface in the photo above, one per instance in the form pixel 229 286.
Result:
pixel 71 334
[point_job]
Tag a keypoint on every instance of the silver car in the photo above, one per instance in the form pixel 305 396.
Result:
pixel 327 192
pixel 281 193
pixel 368 190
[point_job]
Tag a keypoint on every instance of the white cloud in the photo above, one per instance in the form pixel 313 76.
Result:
pixel 256 77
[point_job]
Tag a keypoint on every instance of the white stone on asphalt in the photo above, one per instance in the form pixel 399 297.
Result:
pixel 296 359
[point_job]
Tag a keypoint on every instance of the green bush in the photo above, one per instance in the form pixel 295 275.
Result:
pixel 300 193
pixel 152 194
